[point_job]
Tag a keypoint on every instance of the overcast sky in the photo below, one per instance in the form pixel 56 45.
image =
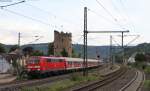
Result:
pixel 42 17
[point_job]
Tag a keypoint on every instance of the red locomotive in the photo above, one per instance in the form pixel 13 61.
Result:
pixel 48 65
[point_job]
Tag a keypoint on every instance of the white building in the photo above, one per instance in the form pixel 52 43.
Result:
pixel 4 65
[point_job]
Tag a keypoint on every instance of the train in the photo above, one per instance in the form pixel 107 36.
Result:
pixel 43 65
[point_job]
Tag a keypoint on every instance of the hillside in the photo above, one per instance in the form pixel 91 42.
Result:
pixel 93 51
pixel 103 51
pixel 144 48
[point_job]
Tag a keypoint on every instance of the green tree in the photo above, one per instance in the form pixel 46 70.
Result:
pixel 118 58
pixel 79 55
pixel 75 54
pixel 140 57
pixel 37 53
pixel 13 48
pixel 28 50
pixel 64 53
pixel 51 49
pixel 2 49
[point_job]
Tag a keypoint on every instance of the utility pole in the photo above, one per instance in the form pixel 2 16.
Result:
pixel 122 47
pixel 19 39
pixel 85 71
pixel 111 50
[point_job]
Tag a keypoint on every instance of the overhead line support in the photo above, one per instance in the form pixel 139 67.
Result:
pixel 108 31
pixel 85 65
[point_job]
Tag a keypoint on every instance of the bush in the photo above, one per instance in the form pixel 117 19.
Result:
pixel 147 83
pixel 2 48
pixel 76 77
pixel 147 69
pixel 140 57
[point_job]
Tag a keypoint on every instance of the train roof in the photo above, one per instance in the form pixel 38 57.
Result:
pixel 79 59
pixel 66 58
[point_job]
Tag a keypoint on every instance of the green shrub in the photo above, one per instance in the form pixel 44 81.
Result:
pixel 75 79
pixel 147 83
pixel 147 69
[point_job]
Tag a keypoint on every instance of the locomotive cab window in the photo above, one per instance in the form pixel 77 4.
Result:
pixel 33 61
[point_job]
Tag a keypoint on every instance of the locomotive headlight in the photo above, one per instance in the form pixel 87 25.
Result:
pixel 29 67
pixel 36 66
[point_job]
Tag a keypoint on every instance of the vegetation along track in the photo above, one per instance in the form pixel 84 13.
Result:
pixel 106 79
pixel 18 85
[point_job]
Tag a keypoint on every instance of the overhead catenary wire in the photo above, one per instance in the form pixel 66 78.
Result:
pixel 99 3
pixel 28 17
pixel 22 15
pixel 118 10
pixel 23 1
pixel 36 40
pixel 108 12
pixel 137 36
pixel 12 4
pixel 78 40
pixel 52 14
pixel 124 7
pixel 101 16
pixel 107 19
pixel 116 41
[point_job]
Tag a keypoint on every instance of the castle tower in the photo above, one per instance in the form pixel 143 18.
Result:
pixel 62 41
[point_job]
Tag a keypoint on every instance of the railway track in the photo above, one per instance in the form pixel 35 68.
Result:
pixel 18 85
pixel 107 79
pixel 136 83
pixel 122 80
pixel 142 83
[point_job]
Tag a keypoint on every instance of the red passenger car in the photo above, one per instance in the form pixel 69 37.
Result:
pixel 47 65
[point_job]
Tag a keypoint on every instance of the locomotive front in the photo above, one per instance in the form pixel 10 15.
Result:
pixel 33 66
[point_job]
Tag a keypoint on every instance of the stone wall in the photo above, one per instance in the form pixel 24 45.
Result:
pixel 62 41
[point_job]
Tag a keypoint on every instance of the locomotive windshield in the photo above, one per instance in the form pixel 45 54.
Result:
pixel 33 61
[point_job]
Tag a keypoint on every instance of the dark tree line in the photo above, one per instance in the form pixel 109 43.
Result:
pixel 140 57
pixel 2 48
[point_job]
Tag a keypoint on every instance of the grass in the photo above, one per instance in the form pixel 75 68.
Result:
pixel 147 83
pixel 147 69
pixel 76 79
pixel 138 65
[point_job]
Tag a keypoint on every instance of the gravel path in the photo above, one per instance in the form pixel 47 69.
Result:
pixel 6 78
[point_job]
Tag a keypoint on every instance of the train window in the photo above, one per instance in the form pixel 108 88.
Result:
pixel 56 60
pixel 52 60
pixel 48 60
pixel 61 60
pixel 70 63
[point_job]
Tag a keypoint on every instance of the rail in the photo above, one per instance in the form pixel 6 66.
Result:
pixel 137 82
pixel 107 78
pixel 16 86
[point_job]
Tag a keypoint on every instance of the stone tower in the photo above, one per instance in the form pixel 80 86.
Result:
pixel 62 41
